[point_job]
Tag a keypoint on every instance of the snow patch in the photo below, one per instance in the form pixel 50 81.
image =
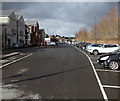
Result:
pixel 23 70
pixel 12 92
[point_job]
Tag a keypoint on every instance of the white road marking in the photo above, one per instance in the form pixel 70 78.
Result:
pixel 15 61
pixel 97 77
pixel 23 70
pixel 103 70
pixel 109 86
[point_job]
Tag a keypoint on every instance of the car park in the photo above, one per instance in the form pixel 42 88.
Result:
pixel 111 60
pixel 103 48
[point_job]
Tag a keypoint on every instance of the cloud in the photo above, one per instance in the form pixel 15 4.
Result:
pixel 60 26
pixel 60 1
pixel 62 17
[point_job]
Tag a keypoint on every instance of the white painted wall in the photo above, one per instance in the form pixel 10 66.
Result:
pixel 4 20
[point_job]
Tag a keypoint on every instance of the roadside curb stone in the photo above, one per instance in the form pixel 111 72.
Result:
pixel 9 55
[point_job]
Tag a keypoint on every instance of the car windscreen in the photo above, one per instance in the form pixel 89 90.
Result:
pixel 96 45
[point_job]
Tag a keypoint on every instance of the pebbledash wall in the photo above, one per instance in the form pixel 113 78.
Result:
pixel 9 30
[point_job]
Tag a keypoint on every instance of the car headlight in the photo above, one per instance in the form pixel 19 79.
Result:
pixel 104 58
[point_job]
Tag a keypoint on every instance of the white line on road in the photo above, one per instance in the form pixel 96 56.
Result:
pixel 97 77
pixel 109 86
pixel 103 70
pixel 15 61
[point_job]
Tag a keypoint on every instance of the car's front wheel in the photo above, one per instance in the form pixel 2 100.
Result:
pixel 113 65
pixel 95 52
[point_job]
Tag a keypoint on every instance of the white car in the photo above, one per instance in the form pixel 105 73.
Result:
pixel 51 43
pixel 103 48
pixel 89 46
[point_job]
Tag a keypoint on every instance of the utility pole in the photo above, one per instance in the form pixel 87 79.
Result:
pixel 84 34
pixel 119 22
pixel 95 32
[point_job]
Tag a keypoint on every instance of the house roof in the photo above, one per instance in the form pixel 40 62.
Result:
pixel 5 13
pixel 17 15
pixel 42 30
pixel 31 21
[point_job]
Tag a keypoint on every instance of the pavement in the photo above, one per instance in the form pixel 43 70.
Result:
pixel 4 57
pixel 6 53
pixel 9 55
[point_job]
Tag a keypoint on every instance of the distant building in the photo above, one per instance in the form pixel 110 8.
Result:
pixel 20 29
pixel 42 35
pixel 8 21
pixel 34 31
pixel 27 36
pixel 58 37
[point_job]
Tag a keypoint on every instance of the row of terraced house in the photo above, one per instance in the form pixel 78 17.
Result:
pixel 18 32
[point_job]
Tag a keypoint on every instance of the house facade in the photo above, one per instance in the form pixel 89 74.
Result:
pixel 34 31
pixel 42 35
pixel 27 36
pixel 8 22
pixel 21 41
pixel 17 32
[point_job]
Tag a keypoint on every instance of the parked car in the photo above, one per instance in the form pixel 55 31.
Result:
pixel 51 43
pixel 75 42
pixel 79 44
pixel 82 45
pixel 103 48
pixel 85 45
pixel 89 46
pixel 111 60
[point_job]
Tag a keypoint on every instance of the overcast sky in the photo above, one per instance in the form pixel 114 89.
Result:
pixel 63 18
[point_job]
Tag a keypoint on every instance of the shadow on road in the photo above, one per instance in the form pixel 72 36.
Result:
pixel 32 49
pixel 23 50
pixel 48 75
pixel 14 76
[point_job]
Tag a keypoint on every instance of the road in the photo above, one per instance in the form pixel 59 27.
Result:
pixel 55 72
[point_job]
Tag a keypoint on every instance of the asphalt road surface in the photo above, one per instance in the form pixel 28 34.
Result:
pixel 54 72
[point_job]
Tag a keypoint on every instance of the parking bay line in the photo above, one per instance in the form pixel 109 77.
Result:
pixel 109 86
pixel 103 70
pixel 15 61
pixel 97 77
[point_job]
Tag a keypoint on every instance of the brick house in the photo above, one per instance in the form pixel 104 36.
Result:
pixel 34 31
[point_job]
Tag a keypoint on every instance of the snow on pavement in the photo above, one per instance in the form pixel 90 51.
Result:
pixel 12 92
